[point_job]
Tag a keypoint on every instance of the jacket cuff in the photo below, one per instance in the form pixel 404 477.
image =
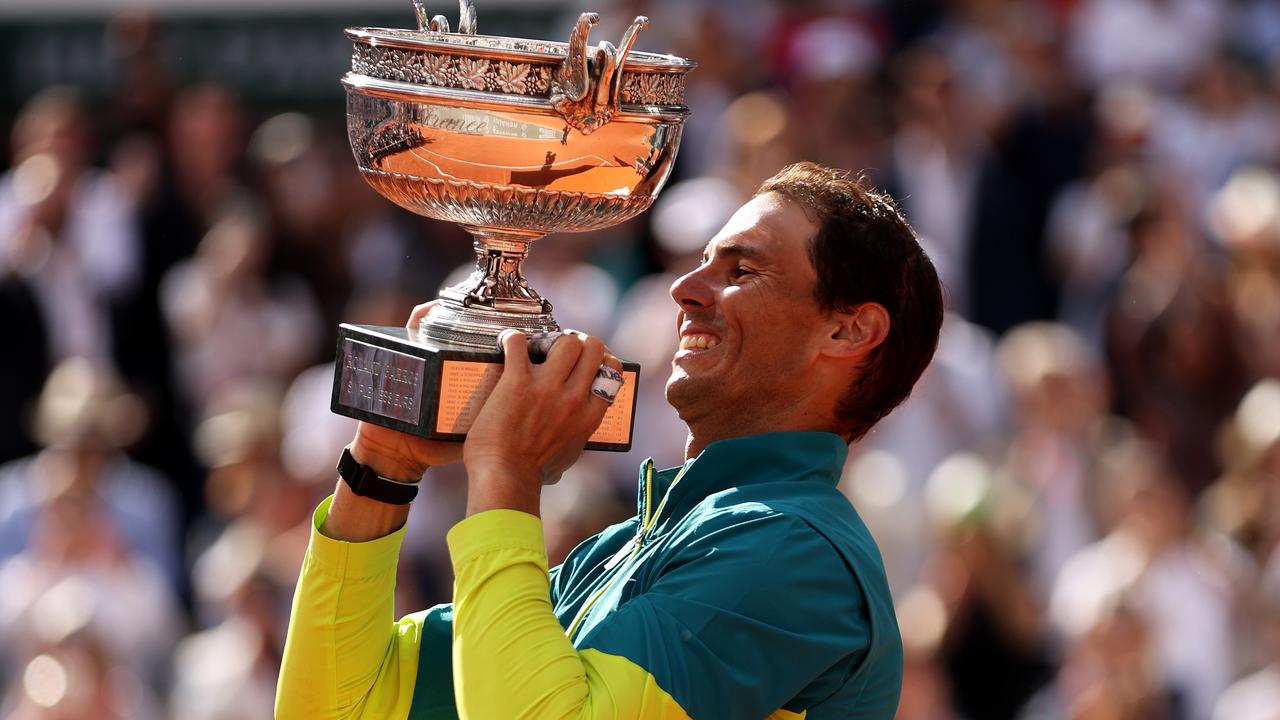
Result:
pixel 494 531
pixel 351 560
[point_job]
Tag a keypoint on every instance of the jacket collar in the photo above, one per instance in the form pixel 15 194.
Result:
pixel 738 462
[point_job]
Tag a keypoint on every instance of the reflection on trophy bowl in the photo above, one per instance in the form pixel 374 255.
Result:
pixel 452 163
pixel 513 139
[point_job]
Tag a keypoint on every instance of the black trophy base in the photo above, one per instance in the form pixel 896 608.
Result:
pixel 388 377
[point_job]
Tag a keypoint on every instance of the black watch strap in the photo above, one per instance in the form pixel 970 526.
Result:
pixel 364 481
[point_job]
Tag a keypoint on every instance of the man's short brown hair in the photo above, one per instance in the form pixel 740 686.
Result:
pixel 864 252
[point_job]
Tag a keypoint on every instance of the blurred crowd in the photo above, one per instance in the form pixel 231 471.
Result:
pixel 1079 507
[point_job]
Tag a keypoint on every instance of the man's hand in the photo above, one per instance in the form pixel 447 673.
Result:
pixel 400 456
pixel 535 423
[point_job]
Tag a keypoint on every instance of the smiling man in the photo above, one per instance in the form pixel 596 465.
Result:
pixel 746 586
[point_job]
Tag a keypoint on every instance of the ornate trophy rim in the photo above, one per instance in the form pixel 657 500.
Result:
pixel 565 76
pixel 500 46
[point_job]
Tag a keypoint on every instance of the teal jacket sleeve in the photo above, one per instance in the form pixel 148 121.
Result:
pixel 741 620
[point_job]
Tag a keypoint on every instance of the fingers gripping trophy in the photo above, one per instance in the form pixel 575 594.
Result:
pixel 513 139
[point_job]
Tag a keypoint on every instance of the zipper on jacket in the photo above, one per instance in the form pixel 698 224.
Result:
pixel 647 524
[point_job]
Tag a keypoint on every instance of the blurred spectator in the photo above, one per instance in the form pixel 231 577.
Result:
pixel 831 64
pixel 202 151
pixel 936 155
pixel 145 87
pixel 1244 503
pixel 926 687
pixel 1109 673
pixel 248 484
pixel 88 539
pixel 248 555
pixel 1156 41
pixel 1256 696
pixel 757 132
pixel 228 671
pixel 78 570
pixel 726 68
pixel 1060 396
pixel 1172 353
pixel 995 624
pixel 201 174
pixel 1245 217
pixel 298 174
pixel 83 420
pixel 74 676
pixel 1088 248
pixel 1182 582
pixel 69 256
pixel 1220 124
pixel 231 322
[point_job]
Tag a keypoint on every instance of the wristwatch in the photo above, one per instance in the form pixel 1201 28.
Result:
pixel 365 482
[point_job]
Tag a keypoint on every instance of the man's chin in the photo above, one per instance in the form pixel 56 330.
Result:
pixel 678 387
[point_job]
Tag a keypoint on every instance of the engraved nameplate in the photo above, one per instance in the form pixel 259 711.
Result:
pixel 381 381
pixel 464 386
pixel 480 122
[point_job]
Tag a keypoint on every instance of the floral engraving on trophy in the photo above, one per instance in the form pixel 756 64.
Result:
pixel 473 73
pixel 501 76
pixel 643 89
pixel 511 78
pixel 437 70
pixel 653 89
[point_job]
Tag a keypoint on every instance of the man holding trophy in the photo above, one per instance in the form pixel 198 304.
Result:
pixel 746 586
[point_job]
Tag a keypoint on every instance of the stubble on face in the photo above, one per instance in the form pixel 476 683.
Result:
pixel 746 323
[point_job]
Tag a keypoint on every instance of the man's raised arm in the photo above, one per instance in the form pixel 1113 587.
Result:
pixel 346 656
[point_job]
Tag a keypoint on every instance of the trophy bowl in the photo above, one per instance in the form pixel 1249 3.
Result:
pixel 512 139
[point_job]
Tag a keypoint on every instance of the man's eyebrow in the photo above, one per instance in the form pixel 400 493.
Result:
pixel 733 249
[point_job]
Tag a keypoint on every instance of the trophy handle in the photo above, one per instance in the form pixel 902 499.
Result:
pixel 420 14
pixel 573 82
pixel 440 24
pixel 466 17
pixel 607 62
pixel 573 77
pixel 628 40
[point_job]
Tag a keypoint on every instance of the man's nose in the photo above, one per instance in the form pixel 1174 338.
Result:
pixel 692 290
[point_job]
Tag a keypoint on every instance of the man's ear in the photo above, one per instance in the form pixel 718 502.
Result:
pixel 856 332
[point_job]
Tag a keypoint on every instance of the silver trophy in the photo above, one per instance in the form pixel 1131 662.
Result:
pixel 513 139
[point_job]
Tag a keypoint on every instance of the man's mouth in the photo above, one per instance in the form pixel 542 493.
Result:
pixel 698 341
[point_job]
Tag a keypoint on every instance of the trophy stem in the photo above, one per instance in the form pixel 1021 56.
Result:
pixel 494 298
pixel 498 282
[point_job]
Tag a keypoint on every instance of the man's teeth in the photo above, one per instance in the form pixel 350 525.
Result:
pixel 698 341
